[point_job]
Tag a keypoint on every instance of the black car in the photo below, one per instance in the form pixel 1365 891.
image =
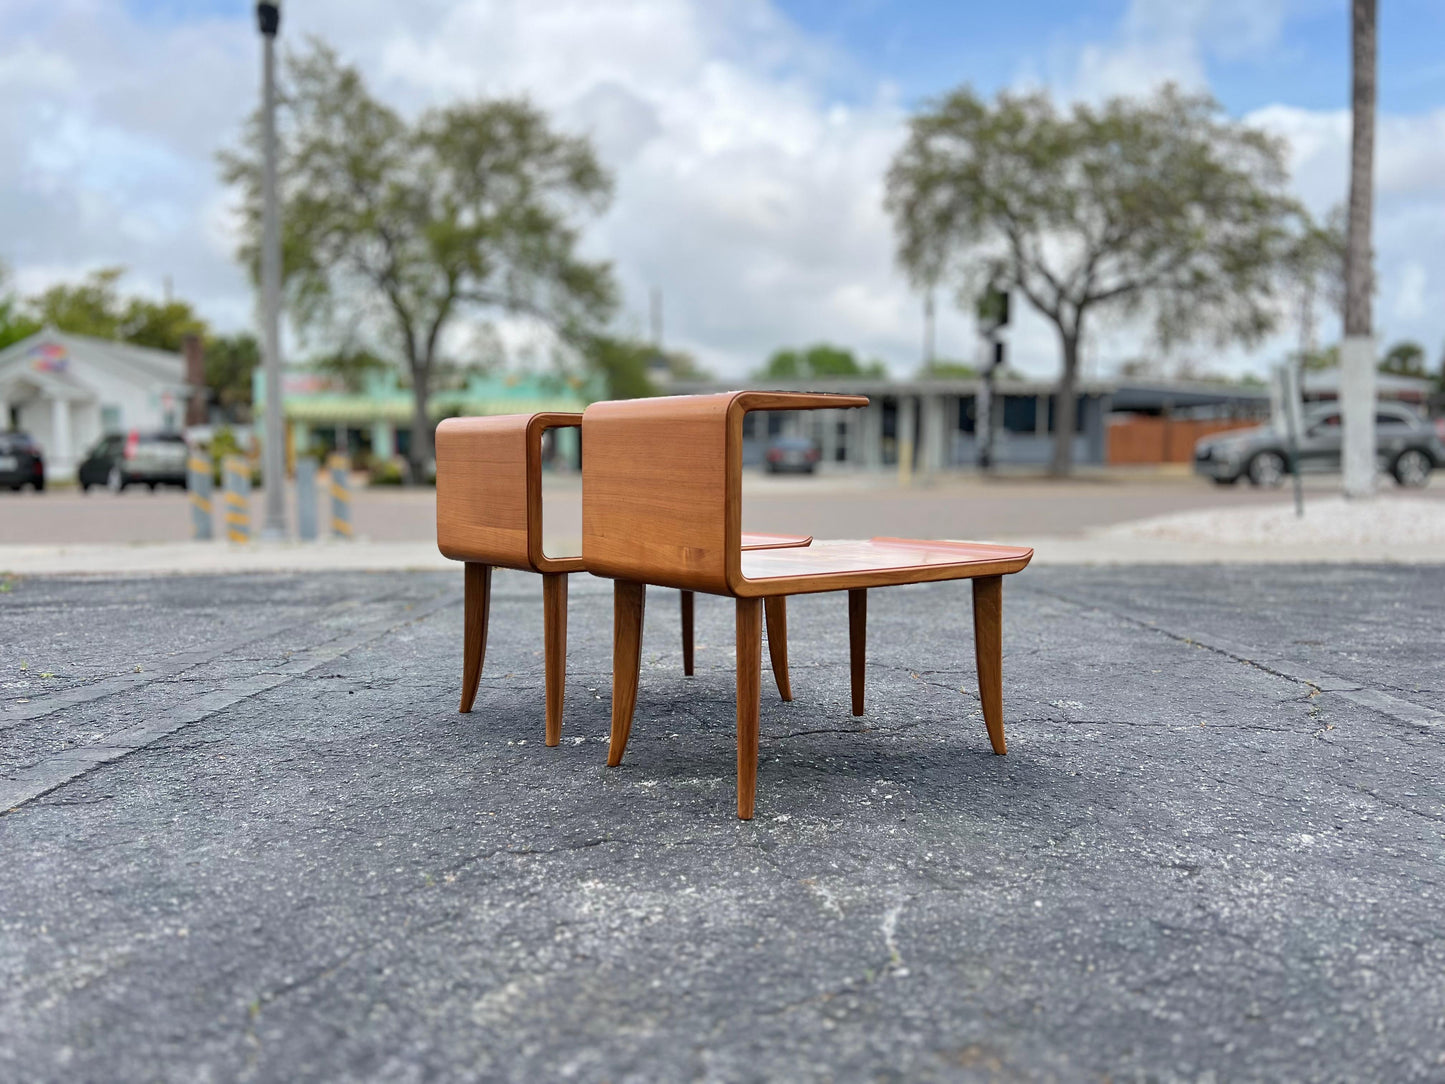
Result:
pixel 21 463
pixel 135 458
pixel 790 454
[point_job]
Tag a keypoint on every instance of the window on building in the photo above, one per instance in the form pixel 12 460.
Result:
pixel 110 419
pixel 965 413
pixel 1020 413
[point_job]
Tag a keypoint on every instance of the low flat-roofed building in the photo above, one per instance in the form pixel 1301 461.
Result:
pixel 937 419
pixel 375 420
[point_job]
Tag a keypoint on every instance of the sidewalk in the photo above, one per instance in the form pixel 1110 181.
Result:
pixel 1403 530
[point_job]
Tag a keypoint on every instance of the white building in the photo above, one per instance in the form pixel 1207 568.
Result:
pixel 67 391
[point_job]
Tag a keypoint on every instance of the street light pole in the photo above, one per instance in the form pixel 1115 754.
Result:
pixel 273 466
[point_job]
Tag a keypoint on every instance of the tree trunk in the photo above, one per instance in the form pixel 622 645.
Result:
pixel 1065 408
pixel 419 453
pixel 1357 352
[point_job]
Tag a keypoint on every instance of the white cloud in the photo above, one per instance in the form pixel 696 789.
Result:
pixel 1162 40
pixel 745 188
pixel 1410 296
pixel 742 190
pixel 1409 219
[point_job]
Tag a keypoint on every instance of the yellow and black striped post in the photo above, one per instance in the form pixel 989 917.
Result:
pixel 237 498
pixel 339 485
pixel 199 483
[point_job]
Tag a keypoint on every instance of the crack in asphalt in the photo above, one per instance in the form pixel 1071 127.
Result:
pixel 1321 683
pixel 12 715
pixel 61 768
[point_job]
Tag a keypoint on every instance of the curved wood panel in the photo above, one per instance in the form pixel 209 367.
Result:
pixel 489 490
pixel 674 465
pixel 754 541
pixel 654 491
pixel 538 425
pixel 482 490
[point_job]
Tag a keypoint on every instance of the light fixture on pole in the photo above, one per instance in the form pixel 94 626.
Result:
pixel 273 464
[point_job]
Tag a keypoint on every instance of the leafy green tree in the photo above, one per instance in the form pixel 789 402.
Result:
pixel 818 360
pixel 1405 358
pixel 407 227
pixel 1315 268
pixel 353 366
pixel 95 307
pixel 162 325
pixel 230 361
pixel 681 365
pixel 90 307
pixel 623 364
pixel 1160 206
pixel 943 369
pixel 1324 358
pixel 627 365
pixel 15 322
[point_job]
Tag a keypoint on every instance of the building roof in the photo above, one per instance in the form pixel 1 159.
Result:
pixel 1123 394
pixel 883 386
pixel 315 402
pixel 49 351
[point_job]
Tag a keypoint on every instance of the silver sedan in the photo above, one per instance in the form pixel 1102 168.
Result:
pixel 1408 445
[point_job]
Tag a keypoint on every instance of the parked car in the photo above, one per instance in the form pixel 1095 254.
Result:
pixel 790 454
pixel 21 462
pixel 135 458
pixel 1408 445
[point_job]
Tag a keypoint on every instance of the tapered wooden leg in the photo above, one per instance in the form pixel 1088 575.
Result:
pixel 554 622
pixel 988 650
pixel 776 609
pixel 857 642
pixel 687 633
pixel 750 667
pixel 476 602
pixel 627 605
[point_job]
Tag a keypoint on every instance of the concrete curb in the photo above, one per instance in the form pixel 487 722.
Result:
pixel 196 558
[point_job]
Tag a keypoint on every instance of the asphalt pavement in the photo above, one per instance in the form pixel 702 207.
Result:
pixel 247 836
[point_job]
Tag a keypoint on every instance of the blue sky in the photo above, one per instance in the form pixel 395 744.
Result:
pixel 927 46
pixel 747 138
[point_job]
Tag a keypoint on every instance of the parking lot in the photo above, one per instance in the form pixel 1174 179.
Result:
pixel 258 841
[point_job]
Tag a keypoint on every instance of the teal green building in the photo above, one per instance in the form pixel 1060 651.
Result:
pixel 374 421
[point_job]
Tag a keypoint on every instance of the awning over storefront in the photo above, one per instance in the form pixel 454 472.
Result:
pixel 316 400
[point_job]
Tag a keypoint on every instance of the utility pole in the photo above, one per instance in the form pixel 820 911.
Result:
pixel 928 330
pixel 273 465
pixel 1357 351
